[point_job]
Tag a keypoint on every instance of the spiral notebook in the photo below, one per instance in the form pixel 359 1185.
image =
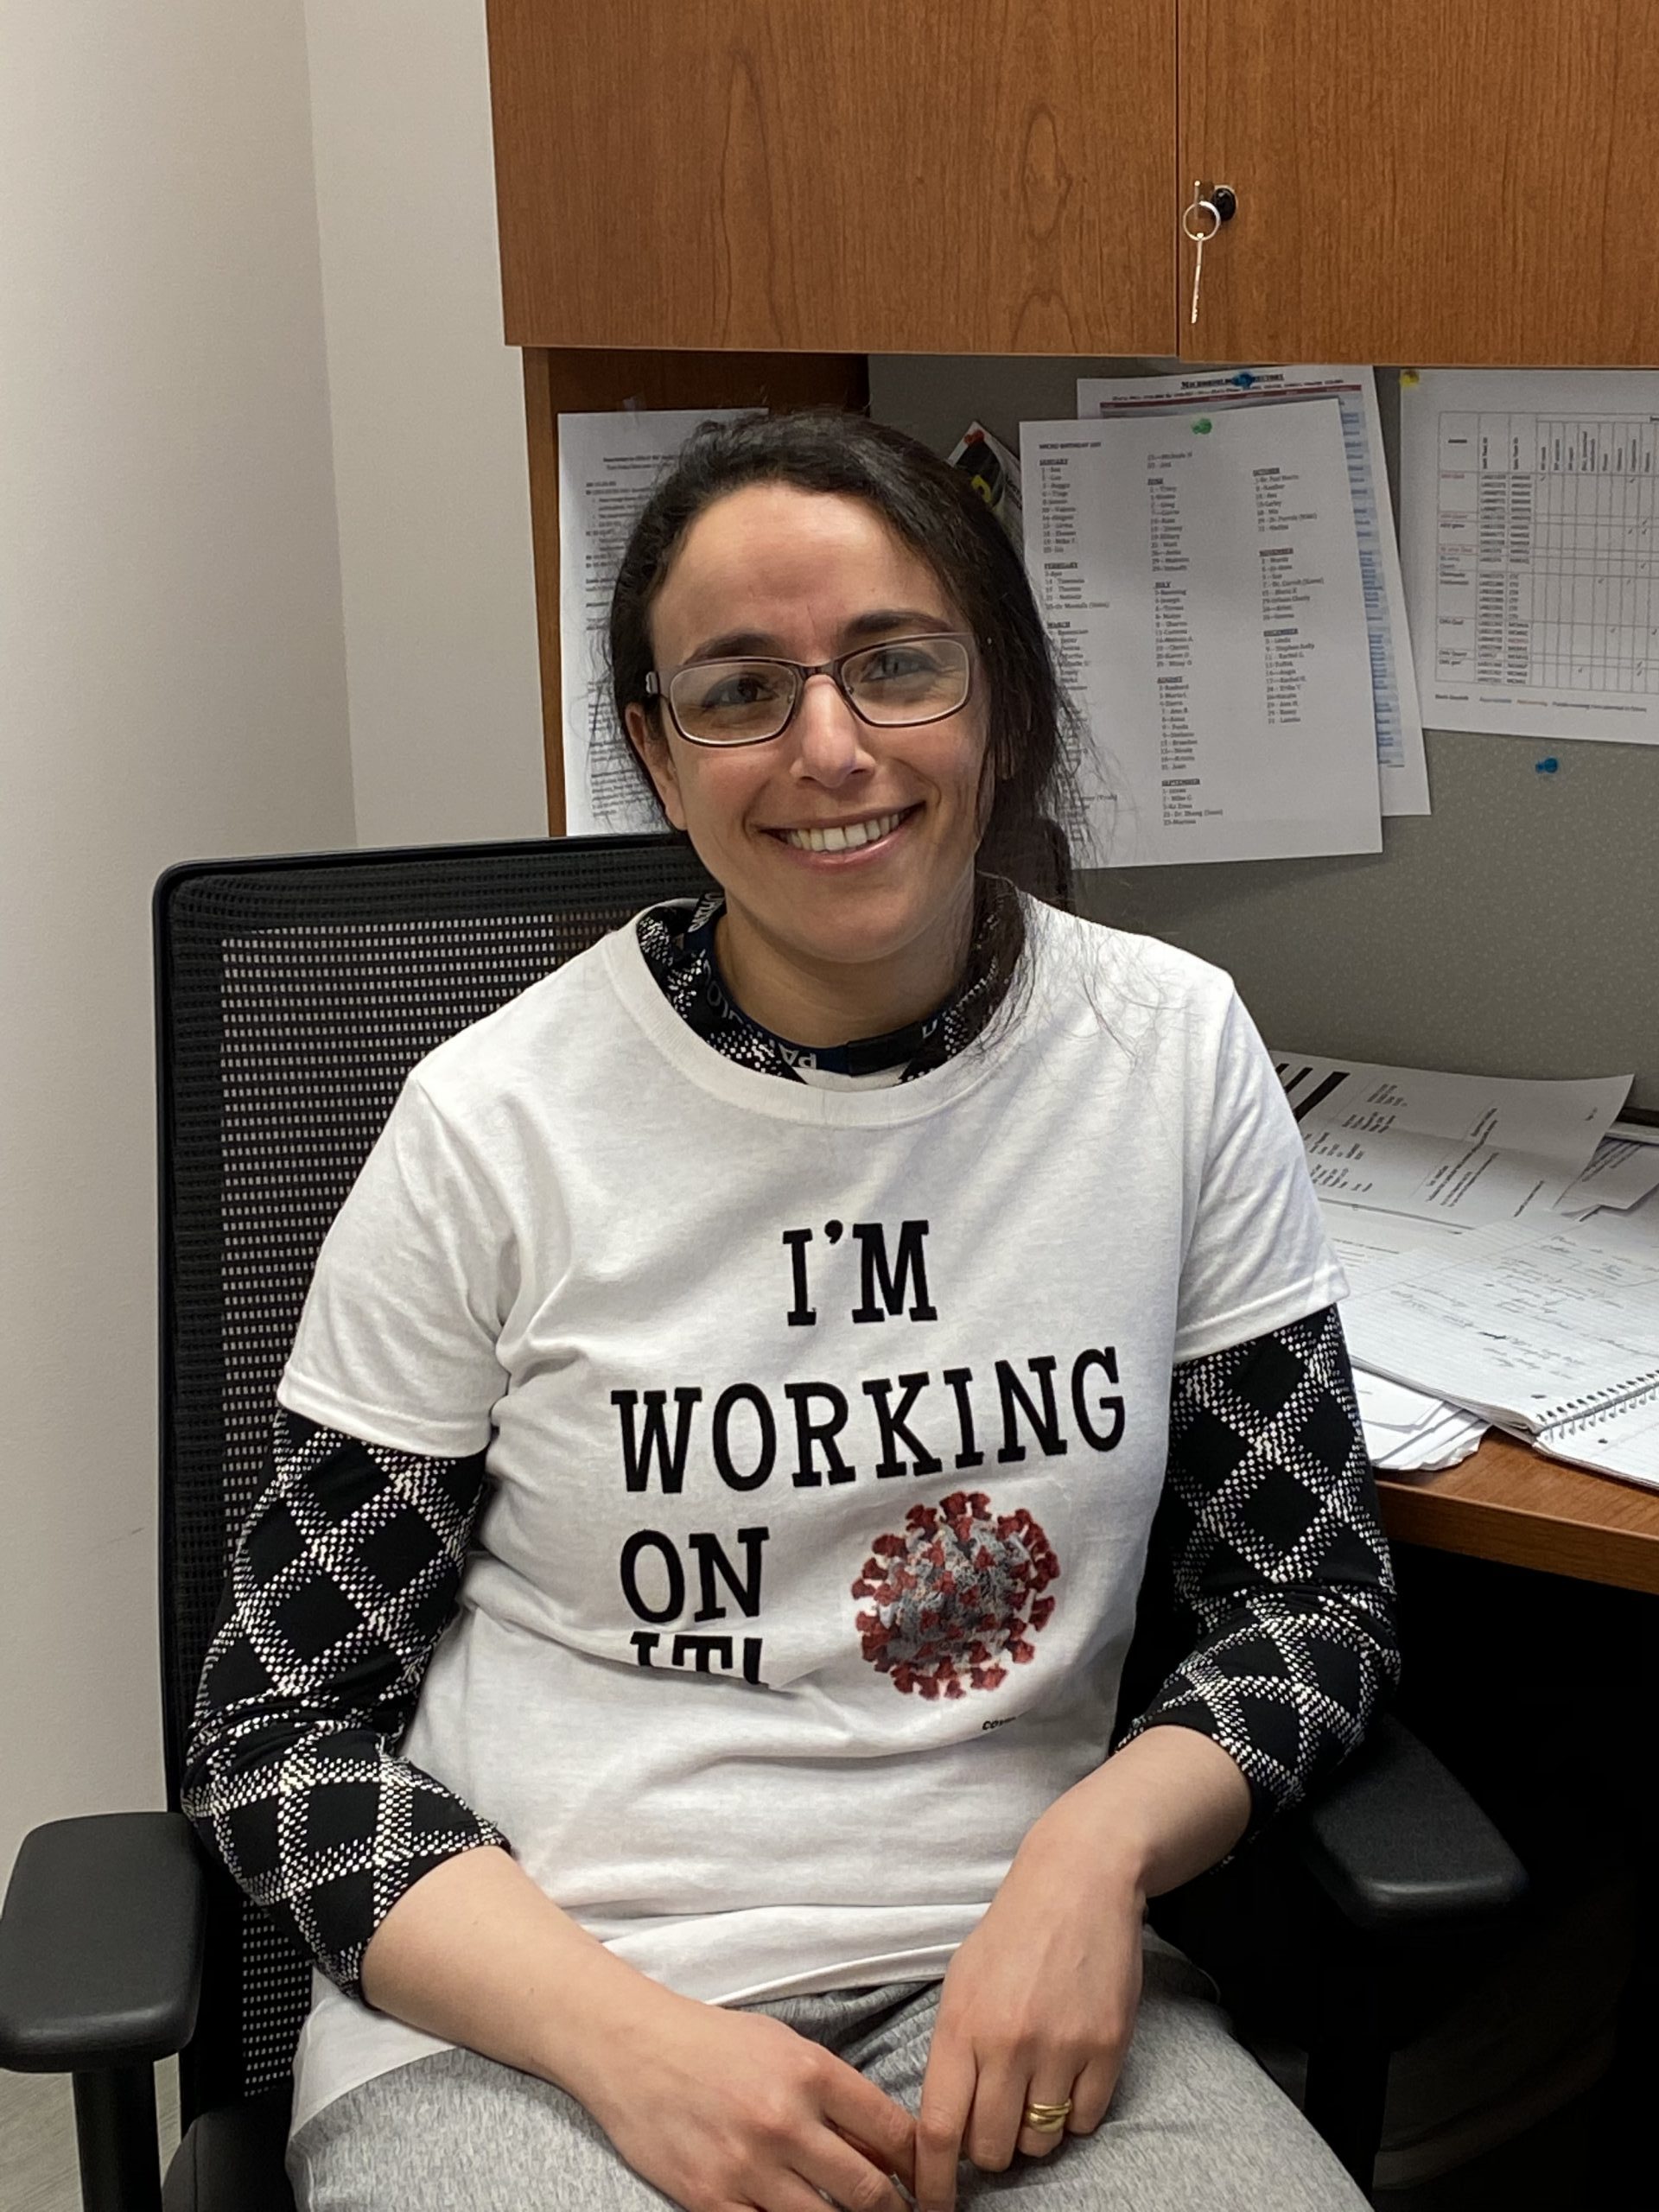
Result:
pixel 1546 1332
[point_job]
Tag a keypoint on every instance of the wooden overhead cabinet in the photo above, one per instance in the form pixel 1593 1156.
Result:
pixel 735 202
pixel 1450 180
pixel 859 176
pixel 1430 181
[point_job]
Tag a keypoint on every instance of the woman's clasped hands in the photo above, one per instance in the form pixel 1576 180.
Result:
pixel 1037 2009
pixel 722 2108
pixel 729 2111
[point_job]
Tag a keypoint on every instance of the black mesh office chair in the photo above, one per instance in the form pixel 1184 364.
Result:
pixel 292 997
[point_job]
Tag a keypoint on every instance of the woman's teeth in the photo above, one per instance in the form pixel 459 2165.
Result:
pixel 843 841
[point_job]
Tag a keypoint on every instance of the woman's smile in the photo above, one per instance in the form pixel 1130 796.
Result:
pixel 859 837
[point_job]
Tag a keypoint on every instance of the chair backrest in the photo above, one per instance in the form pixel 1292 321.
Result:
pixel 292 998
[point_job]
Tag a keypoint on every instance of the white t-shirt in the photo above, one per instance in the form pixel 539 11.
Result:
pixel 825 1430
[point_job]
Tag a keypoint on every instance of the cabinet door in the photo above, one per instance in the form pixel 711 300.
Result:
pixel 843 175
pixel 1429 181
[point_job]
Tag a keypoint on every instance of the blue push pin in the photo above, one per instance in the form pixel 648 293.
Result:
pixel 1244 379
pixel 1547 767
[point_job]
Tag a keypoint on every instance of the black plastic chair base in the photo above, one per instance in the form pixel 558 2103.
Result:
pixel 115 2134
pixel 231 2159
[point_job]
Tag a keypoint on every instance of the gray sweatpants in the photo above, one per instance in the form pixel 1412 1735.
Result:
pixel 1195 2126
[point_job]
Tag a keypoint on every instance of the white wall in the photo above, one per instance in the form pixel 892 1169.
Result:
pixel 428 419
pixel 172 683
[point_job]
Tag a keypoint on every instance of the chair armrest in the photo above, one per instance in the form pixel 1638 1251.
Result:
pixel 100 1944
pixel 1396 1842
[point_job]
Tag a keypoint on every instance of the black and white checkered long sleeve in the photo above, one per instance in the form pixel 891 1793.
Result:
pixel 347 1573
pixel 1269 1533
pixel 343 1579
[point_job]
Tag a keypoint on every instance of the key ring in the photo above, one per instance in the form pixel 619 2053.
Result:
pixel 1200 238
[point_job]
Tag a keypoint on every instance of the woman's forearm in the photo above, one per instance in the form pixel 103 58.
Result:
pixel 1166 1806
pixel 475 1953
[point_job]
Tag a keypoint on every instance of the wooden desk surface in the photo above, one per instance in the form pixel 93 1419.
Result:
pixel 1510 1503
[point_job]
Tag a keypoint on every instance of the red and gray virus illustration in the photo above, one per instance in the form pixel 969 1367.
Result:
pixel 955 1596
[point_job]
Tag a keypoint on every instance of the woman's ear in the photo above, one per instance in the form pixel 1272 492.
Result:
pixel 651 745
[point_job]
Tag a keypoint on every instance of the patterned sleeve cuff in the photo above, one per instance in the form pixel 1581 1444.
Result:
pixel 329 1835
pixel 1269 1542
pixel 343 1581
pixel 1286 1687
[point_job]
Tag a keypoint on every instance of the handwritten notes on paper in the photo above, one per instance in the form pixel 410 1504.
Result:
pixel 1201 584
pixel 1550 1332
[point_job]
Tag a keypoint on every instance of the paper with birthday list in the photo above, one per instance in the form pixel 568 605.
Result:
pixel 1200 581
pixel 1402 773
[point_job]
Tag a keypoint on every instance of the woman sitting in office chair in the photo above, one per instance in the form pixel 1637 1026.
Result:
pixel 802 1304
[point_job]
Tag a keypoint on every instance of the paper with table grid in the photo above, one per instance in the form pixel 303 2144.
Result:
pixel 1530 509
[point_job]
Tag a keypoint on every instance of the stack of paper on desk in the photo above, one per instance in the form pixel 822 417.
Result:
pixel 1550 1331
pixel 1466 1292
pixel 1406 1432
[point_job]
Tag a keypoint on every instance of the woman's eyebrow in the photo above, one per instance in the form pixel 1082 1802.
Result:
pixel 882 618
pixel 879 621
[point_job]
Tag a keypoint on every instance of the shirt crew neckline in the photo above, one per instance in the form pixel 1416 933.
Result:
pixel 756 1092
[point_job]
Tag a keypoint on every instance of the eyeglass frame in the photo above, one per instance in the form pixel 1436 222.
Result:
pixel 657 684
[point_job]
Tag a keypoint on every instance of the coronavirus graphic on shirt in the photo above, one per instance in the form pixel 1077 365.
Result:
pixel 954 1595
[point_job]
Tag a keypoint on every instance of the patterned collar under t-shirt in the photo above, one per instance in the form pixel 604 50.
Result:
pixel 678 943
pixel 824 1430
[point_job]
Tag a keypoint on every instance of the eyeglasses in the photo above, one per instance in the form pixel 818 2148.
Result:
pixel 893 685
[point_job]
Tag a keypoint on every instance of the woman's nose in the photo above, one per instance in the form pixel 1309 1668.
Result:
pixel 830 740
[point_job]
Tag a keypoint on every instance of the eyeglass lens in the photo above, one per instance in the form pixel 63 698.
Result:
pixel 737 702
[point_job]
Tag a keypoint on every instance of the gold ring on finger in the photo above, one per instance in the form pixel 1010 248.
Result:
pixel 1047 2119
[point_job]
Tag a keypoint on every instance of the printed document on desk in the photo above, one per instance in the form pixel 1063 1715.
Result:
pixel 1623 1170
pixel 1402 773
pixel 1529 517
pixel 1444 1147
pixel 1547 1332
pixel 1200 582
pixel 1627 1229
pixel 607 464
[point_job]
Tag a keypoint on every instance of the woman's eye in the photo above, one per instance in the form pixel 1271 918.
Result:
pixel 897 662
pixel 743 688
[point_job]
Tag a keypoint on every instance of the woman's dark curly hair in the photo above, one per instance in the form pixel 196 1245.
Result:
pixel 934 510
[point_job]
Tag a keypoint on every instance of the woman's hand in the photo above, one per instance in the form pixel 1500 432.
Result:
pixel 723 2109
pixel 1039 2004
pixel 1037 2007
pixel 719 2109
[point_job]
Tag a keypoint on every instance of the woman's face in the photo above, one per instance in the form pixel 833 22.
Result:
pixel 807 576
